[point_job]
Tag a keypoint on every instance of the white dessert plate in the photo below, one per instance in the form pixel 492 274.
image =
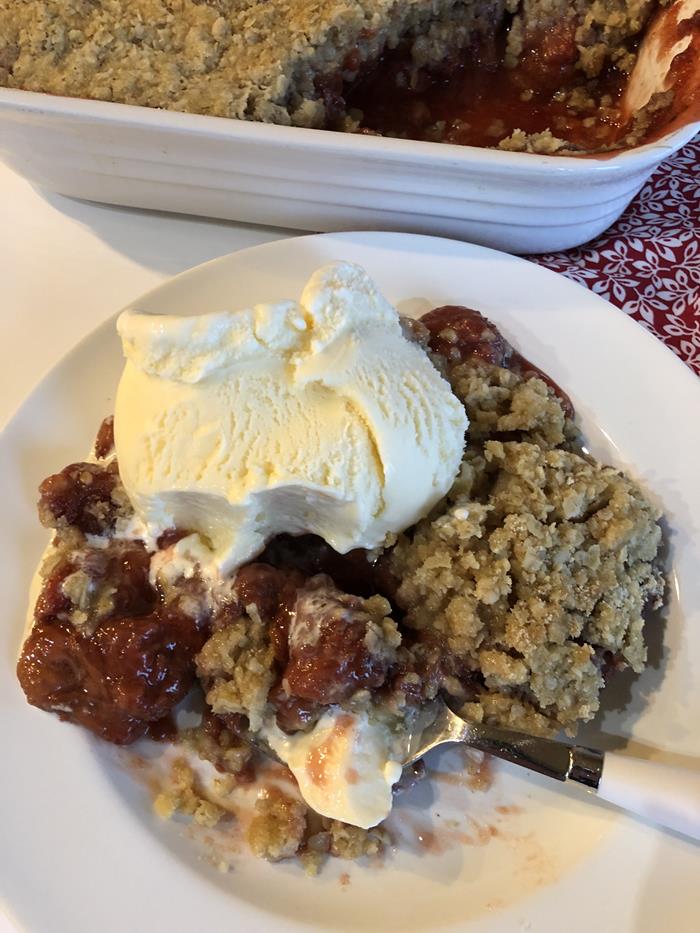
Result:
pixel 82 850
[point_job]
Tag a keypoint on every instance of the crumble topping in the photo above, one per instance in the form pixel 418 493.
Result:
pixel 541 565
pixel 184 795
pixel 539 76
pixel 237 664
pixel 278 827
pixel 351 842
pixel 335 647
pixel 213 741
pixel 85 496
pixel 283 826
pixel 246 59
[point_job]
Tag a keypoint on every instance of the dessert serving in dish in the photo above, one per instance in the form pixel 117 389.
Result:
pixel 539 75
pixel 293 176
pixel 510 577
pixel 65 69
pixel 450 847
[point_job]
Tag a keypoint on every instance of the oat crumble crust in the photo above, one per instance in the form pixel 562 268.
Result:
pixel 283 826
pixel 280 62
pixel 184 795
pixel 236 663
pixel 539 563
pixel 249 59
pixel 601 28
pixel 278 827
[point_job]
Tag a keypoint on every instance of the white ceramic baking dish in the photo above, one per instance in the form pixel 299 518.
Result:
pixel 320 180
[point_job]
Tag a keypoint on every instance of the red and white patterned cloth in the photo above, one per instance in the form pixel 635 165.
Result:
pixel 648 263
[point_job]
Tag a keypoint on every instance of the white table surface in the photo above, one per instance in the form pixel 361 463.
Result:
pixel 66 266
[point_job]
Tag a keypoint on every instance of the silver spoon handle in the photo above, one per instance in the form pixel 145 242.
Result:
pixel 547 756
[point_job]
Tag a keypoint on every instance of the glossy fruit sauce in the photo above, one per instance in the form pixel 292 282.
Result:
pixel 478 101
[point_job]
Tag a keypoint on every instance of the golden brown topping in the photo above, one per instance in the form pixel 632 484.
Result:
pixel 278 827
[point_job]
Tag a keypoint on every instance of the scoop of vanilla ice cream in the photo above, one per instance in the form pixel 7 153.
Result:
pixel 345 766
pixel 313 416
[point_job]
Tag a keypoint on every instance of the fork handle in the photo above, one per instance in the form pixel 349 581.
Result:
pixel 663 794
pixel 657 792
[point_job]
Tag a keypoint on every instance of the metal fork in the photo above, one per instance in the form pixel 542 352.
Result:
pixel 546 756
pixel 665 795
